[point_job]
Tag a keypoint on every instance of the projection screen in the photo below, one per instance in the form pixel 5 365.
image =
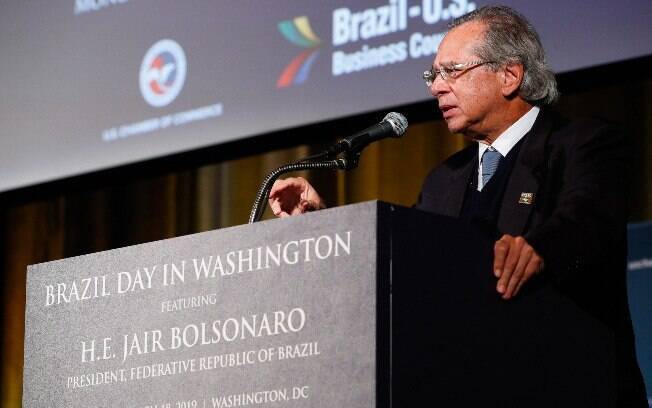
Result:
pixel 93 84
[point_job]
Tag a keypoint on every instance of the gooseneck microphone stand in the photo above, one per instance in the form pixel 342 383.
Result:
pixel 349 149
pixel 324 160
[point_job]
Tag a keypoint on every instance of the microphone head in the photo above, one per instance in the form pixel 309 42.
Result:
pixel 398 122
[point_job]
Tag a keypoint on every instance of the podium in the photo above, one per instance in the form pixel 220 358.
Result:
pixel 367 305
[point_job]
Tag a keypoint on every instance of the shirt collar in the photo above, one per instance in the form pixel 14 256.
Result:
pixel 512 135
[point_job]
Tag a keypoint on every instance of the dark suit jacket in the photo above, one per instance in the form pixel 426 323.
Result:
pixel 577 172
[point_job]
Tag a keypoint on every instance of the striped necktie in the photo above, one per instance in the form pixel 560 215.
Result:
pixel 490 160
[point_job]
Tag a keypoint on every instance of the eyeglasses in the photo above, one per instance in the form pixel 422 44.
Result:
pixel 450 72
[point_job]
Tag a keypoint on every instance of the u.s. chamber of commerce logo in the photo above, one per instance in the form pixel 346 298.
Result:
pixel 162 73
pixel 298 32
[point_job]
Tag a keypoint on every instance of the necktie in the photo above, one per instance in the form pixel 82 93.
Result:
pixel 490 160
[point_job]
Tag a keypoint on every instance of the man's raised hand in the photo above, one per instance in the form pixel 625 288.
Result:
pixel 294 196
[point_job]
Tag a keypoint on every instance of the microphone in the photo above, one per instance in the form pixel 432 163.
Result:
pixel 393 125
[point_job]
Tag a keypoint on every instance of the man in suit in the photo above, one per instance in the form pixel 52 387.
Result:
pixel 551 190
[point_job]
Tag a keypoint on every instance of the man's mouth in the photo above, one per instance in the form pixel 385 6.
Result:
pixel 447 110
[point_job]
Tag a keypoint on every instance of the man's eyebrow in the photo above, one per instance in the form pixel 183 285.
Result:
pixel 446 64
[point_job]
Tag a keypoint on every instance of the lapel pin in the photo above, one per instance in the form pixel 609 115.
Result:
pixel 526 198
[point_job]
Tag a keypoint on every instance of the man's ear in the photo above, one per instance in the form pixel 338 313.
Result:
pixel 511 79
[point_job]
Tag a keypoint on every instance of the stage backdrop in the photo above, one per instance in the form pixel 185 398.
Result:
pixel 91 84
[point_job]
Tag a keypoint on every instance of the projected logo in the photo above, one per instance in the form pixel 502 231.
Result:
pixel 162 73
pixel 298 32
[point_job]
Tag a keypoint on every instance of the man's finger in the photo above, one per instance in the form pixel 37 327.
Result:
pixel 275 205
pixel 519 275
pixel 276 187
pixel 515 280
pixel 500 252
pixel 505 276
pixel 511 261
pixel 284 184
pixel 533 267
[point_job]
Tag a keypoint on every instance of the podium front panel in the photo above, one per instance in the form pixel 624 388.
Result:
pixel 282 312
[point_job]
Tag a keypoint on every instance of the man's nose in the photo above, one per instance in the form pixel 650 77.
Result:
pixel 439 86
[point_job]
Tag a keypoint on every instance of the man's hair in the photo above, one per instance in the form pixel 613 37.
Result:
pixel 510 38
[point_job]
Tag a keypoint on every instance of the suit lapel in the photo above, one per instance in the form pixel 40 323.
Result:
pixel 523 185
pixel 459 180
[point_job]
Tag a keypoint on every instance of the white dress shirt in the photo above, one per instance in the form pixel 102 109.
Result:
pixel 508 139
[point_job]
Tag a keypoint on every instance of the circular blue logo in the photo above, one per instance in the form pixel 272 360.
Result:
pixel 162 73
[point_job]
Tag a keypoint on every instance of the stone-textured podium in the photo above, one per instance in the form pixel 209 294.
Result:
pixel 368 305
